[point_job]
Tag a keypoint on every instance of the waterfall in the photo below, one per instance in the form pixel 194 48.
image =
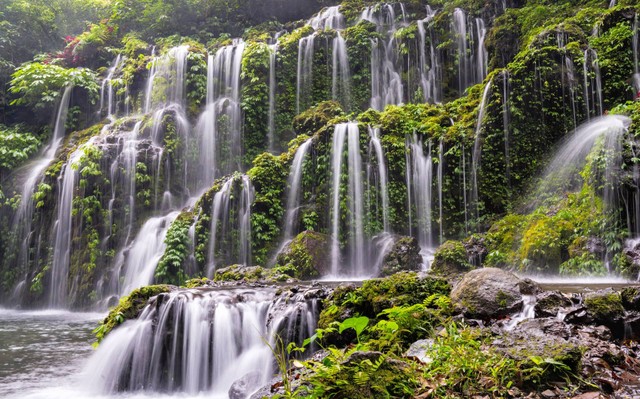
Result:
pixel 430 71
pixel 592 84
pixel 376 145
pixel 477 152
pixel 171 68
pixel 141 258
pixel 236 194
pixel 220 143
pixel 470 49
pixel 420 177
pixel 106 89
pixel 293 197
pixel 201 341
pixel 304 81
pixel 386 74
pixel 355 201
pixel 63 229
pixel 23 218
pixel 341 76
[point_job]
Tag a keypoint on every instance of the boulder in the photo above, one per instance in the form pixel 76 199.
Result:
pixel 245 386
pixel 451 259
pixel 403 256
pixel 487 293
pixel 308 255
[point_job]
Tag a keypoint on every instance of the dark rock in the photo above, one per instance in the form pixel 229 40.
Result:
pixel 487 293
pixel 404 255
pixel 308 255
pixel 548 303
pixel 451 259
pixel 476 249
pixel 245 386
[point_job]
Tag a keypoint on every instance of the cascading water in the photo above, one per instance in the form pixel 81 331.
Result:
pixel 22 221
pixel 429 68
pixel 107 89
pixel 63 229
pixel 356 260
pixel 221 142
pixel 201 341
pixel 294 184
pixel 420 177
pixel 235 194
pixel 477 152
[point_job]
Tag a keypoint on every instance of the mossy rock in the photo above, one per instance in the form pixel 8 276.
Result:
pixel 375 295
pixel 605 307
pixel 308 255
pixel 129 308
pixel 487 293
pixel 403 256
pixel 251 274
pixel 451 259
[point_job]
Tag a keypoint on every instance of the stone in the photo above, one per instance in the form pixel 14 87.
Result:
pixel 419 351
pixel 404 255
pixel 245 386
pixel 451 259
pixel 308 255
pixel 487 293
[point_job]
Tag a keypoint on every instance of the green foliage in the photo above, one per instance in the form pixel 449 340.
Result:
pixel 16 146
pixel 170 269
pixel 128 308
pixel 40 85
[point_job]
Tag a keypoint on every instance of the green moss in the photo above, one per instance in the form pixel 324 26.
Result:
pixel 605 308
pixel 128 308
pixel 451 258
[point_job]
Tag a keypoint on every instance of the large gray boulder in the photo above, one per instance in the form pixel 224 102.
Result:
pixel 487 293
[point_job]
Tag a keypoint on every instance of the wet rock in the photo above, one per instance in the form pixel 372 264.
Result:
pixel 548 303
pixel 307 255
pixel 451 259
pixel 245 386
pixel 487 293
pixel 476 249
pixel 419 350
pixel 403 256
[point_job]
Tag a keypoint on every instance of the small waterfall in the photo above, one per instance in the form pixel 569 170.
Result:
pixel 201 341
pixel 23 218
pixel 141 258
pixel 386 74
pixel 429 68
pixel 221 141
pixel 106 90
pixel 293 198
pixel 477 152
pixel 63 229
pixel 592 84
pixel 355 201
pixel 470 49
pixel 376 146
pixel 171 68
pixel 420 177
pixel 341 75
pixel 236 194
pixel 306 47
